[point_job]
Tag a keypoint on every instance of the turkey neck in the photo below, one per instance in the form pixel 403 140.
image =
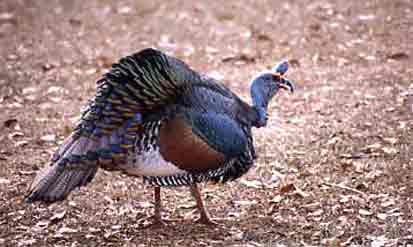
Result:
pixel 261 94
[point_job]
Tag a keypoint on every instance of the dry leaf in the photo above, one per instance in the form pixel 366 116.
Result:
pixel 48 66
pixel 9 123
pixel 28 90
pixel 388 150
pixel 287 188
pixel 48 138
pixel 21 143
pixel 116 227
pixel 42 223
pixel 57 216
pixel 398 56
pixel 251 183
pixel 391 140
pixel 4 181
pixel 316 213
pixel 142 204
pixel 245 203
pixel 277 199
pixel 64 229
pixel 211 50
pixel 16 134
pixel 374 146
pixel 365 212
pixel 300 192
pixel 92 229
pixel 56 89
pixel 387 203
pixel 379 241
pixel 187 206
pixel 382 216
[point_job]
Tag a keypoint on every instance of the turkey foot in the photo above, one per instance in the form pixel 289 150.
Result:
pixel 204 219
pixel 156 219
pixel 155 222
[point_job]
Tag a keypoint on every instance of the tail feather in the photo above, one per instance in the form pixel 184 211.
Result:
pixel 77 160
pixel 71 167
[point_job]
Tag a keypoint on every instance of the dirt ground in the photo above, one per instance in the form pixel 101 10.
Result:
pixel 335 164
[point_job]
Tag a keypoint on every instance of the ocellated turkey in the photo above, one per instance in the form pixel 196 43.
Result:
pixel 154 117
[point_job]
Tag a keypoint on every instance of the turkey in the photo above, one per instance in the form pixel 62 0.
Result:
pixel 154 117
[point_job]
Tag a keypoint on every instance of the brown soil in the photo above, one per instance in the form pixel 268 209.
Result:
pixel 335 166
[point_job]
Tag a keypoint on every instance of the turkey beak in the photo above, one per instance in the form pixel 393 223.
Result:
pixel 285 83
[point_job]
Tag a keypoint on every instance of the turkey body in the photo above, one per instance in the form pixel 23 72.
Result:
pixel 154 117
pixel 194 140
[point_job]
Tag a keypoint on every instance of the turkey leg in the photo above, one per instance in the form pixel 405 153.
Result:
pixel 158 216
pixel 204 219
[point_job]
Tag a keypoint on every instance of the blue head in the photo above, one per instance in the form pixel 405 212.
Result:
pixel 265 86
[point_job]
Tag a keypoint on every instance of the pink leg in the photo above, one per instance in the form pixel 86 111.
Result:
pixel 204 219
pixel 157 217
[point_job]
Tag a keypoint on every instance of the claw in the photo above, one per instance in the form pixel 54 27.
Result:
pixel 154 222
pixel 206 221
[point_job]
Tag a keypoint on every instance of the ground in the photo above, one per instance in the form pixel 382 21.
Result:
pixel 335 163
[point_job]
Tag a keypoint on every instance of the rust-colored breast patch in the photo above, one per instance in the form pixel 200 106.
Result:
pixel 181 146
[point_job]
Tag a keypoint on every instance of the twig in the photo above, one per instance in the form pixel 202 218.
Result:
pixel 345 188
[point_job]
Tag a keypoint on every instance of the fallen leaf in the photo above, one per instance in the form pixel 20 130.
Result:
pixel 22 172
pixel 287 188
pixel 379 241
pixel 48 138
pixel 56 89
pixel 144 204
pixel 48 66
pixel 276 199
pixel 366 17
pixel 28 242
pixel 210 49
pixel 365 212
pixel 300 192
pixel 294 62
pixel 124 10
pixel 116 227
pixel 16 134
pixel 245 203
pixel 391 140
pixel 187 206
pixel 4 181
pixel 64 229
pixel 241 57
pixel 21 143
pixel 388 150
pixel 29 90
pixel 387 203
pixel 398 56
pixel 75 22
pixel 92 229
pixel 57 216
pixel 382 216
pixel 251 183
pixel 316 213
pixel 374 146
pixel 6 16
pixel 10 122
pixel 42 223
pixel 263 37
